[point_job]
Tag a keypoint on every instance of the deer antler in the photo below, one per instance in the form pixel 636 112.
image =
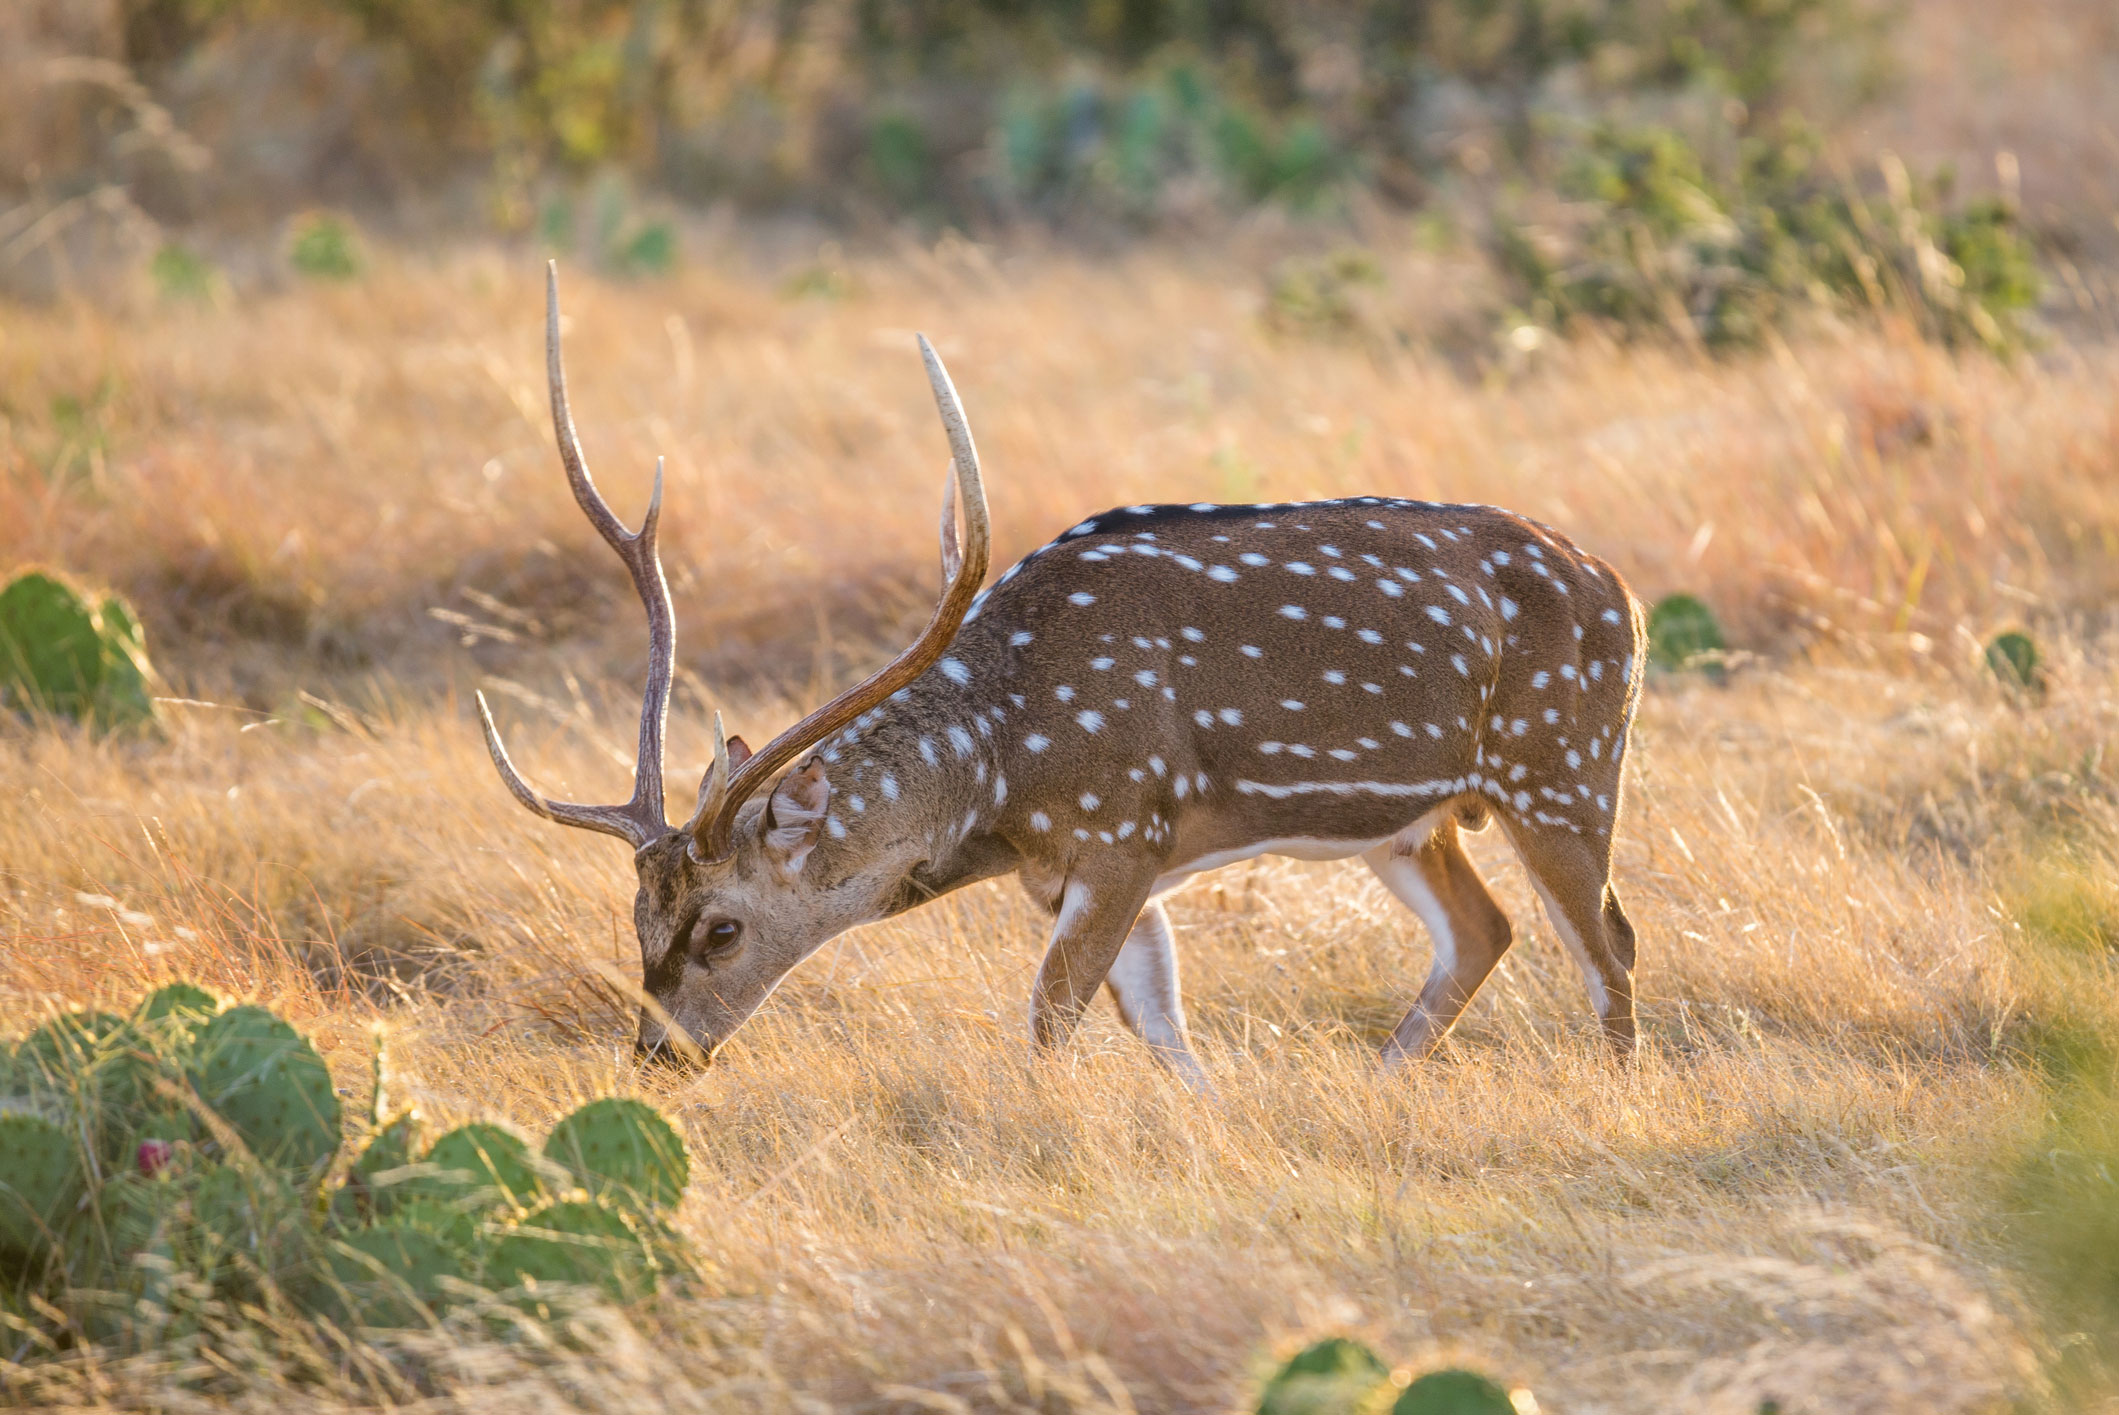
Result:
pixel 722 794
pixel 639 820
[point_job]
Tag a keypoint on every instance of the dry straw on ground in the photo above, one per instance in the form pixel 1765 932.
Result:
pixel 339 510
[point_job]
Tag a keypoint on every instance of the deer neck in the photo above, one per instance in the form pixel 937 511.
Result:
pixel 915 788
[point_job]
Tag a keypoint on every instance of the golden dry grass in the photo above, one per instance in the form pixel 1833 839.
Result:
pixel 1797 1196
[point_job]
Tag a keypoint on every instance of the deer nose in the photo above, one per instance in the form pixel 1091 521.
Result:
pixel 659 1052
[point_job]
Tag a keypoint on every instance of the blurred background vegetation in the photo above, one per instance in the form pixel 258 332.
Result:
pixel 1709 168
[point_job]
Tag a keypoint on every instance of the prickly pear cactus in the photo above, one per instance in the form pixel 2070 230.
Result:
pixel 62 655
pixel 40 1181
pixel 270 1086
pixel 577 1242
pixel 624 1150
pixel 1332 1377
pixel 135 1215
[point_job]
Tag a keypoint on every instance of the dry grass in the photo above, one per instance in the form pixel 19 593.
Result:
pixel 1795 1197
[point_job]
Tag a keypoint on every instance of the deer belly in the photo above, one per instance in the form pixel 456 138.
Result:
pixel 1294 847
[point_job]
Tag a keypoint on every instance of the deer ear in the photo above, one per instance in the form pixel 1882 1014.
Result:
pixel 794 816
pixel 738 752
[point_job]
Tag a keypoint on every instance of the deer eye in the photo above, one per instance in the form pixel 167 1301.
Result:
pixel 717 937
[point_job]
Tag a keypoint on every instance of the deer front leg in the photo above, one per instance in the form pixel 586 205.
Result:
pixel 1097 908
pixel 1143 982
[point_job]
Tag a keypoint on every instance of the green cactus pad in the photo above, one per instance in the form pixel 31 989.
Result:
pixel 40 1180
pixel 1683 633
pixel 2013 658
pixel 186 1000
pixel 61 655
pixel 577 1242
pixel 622 1148
pixel 486 1158
pixel 1331 1377
pixel 397 1273
pixel 134 1208
pixel 126 694
pixel 71 1044
pixel 1453 1392
pixel 108 1073
pixel 270 1085
pixel 378 1179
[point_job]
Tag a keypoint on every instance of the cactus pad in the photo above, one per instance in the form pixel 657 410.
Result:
pixel 1330 1377
pixel 574 1241
pixel 380 1177
pixel 40 1180
pixel 1453 1392
pixel 623 1148
pixel 71 1044
pixel 62 655
pixel 107 1071
pixel 488 1160
pixel 1683 633
pixel 2013 658
pixel 270 1085
pixel 186 1000
pixel 393 1271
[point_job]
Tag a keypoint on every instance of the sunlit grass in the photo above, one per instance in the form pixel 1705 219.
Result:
pixel 1800 1194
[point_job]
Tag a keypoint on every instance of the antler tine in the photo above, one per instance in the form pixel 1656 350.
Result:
pixel 965 568
pixel 712 786
pixel 952 553
pixel 611 820
pixel 640 819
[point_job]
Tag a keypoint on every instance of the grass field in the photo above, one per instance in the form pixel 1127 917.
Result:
pixel 1870 885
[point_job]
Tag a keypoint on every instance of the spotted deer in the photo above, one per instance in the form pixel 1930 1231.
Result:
pixel 1160 691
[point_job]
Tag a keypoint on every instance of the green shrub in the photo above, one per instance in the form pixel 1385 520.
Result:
pixel 64 655
pixel 1664 239
pixel 607 221
pixel 1320 297
pixel 899 160
pixel 186 1161
pixel 324 247
pixel 1121 146
pixel 180 273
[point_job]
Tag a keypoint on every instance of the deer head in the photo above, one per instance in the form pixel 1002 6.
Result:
pixel 724 909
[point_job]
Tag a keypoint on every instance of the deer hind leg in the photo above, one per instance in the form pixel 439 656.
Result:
pixel 1143 982
pixel 1572 874
pixel 1435 879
